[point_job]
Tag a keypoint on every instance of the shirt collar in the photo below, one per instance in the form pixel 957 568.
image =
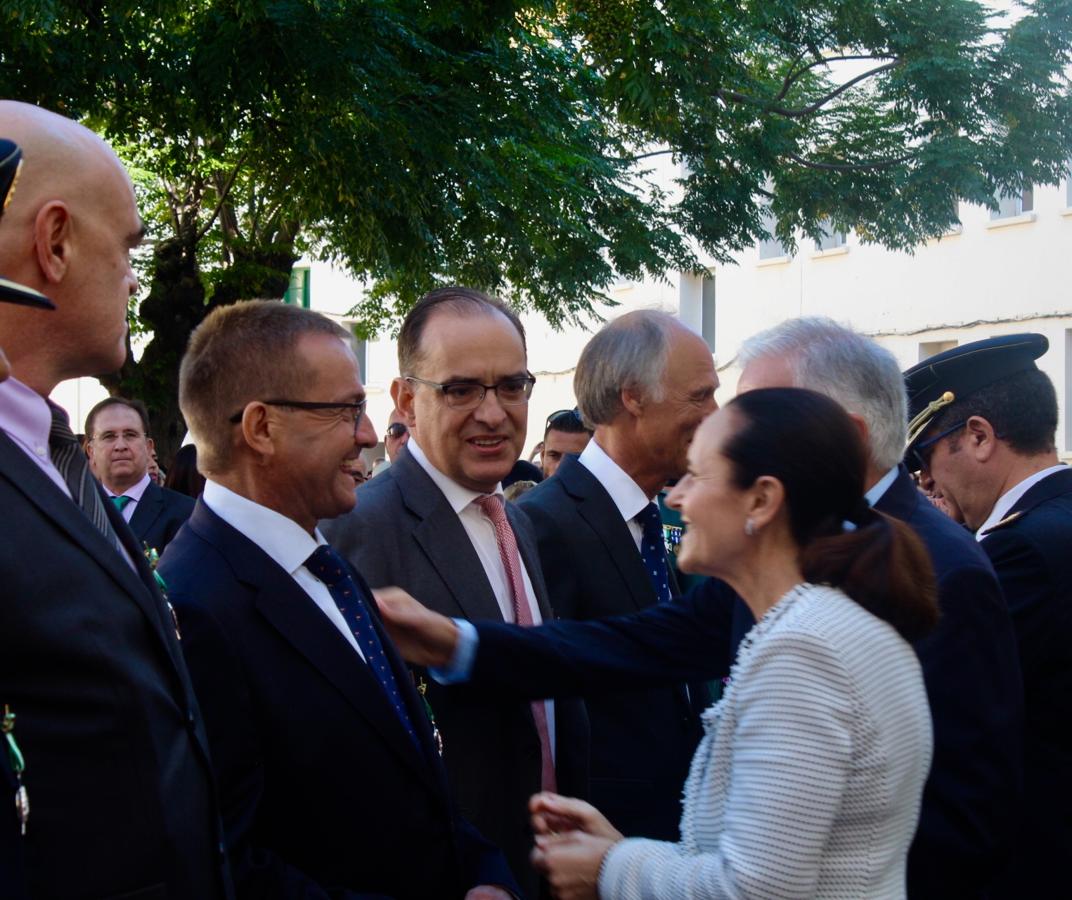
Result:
pixel 625 493
pixel 25 416
pixel 283 539
pixel 457 496
pixel 134 492
pixel 879 488
pixel 1008 500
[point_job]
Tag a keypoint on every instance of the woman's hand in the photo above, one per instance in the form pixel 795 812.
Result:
pixel 570 862
pixel 554 814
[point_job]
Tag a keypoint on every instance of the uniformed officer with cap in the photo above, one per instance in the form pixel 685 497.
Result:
pixel 10 291
pixel 983 426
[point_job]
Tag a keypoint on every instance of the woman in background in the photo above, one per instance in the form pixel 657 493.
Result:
pixel 183 475
pixel 808 780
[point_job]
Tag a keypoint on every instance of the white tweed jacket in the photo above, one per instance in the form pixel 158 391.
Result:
pixel 808 781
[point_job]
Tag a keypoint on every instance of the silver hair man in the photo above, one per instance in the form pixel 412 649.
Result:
pixel 631 351
pixel 863 377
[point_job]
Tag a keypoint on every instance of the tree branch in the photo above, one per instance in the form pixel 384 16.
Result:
pixel 850 167
pixel 793 77
pixel 223 197
pixel 737 97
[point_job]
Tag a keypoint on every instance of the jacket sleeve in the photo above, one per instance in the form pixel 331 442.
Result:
pixel 791 751
pixel 663 645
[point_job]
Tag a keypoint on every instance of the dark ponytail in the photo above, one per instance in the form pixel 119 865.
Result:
pixel 809 443
pixel 884 567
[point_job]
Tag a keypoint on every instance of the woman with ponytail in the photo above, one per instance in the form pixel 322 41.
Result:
pixel 808 780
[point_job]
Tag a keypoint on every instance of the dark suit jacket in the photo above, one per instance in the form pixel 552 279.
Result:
pixel 159 515
pixel 972 674
pixel 323 792
pixel 404 532
pixel 969 664
pixel 1032 553
pixel 642 741
pixel 117 768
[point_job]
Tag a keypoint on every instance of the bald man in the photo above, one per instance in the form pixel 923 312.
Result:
pixel 122 801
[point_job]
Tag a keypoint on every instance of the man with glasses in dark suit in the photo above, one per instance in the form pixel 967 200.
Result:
pixel 436 524
pixel 330 780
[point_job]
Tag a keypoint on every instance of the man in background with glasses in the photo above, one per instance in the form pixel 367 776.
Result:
pixel 436 525
pixel 565 433
pixel 323 751
pixel 119 448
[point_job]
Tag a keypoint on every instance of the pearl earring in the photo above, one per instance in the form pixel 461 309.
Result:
pixel 749 527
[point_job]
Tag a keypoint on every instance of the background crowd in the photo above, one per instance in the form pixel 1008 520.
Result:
pixel 858 695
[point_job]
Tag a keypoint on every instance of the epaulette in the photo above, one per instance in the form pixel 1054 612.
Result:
pixel 1008 520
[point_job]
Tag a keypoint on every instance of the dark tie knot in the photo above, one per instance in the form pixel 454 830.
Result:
pixel 327 565
pixel 651 522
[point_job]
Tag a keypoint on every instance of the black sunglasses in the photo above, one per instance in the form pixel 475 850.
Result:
pixel 921 453
pixel 561 416
pixel 396 430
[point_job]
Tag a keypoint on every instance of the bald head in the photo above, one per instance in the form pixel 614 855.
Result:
pixel 67 232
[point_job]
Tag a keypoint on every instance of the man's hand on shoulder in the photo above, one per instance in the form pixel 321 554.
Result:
pixel 423 637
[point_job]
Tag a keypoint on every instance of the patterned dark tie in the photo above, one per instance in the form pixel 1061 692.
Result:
pixel 326 565
pixel 653 550
pixel 70 461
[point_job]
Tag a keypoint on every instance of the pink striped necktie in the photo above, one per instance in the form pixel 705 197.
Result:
pixel 492 507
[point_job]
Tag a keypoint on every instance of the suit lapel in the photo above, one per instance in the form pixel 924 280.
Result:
pixel 442 537
pixel 39 490
pixel 596 508
pixel 294 615
pixel 147 510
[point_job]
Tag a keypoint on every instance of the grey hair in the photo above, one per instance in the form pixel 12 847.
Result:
pixel 846 366
pixel 632 351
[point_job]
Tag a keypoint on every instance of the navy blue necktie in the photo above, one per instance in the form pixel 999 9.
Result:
pixel 326 565
pixel 653 551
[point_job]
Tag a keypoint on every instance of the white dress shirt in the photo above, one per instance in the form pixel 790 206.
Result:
pixel 481 534
pixel 624 492
pixel 879 488
pixel 1009 499
pixel 282 539
pixel 135 493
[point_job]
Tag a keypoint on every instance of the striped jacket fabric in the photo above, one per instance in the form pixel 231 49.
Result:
pixel 807 783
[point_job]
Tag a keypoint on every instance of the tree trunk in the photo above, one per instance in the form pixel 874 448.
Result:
pixel 174 307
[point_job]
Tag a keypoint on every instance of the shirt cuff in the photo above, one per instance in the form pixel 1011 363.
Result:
pixel 460 667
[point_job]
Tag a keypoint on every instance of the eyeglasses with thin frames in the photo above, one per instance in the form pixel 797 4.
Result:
pixel 511 391
pixel 352 411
